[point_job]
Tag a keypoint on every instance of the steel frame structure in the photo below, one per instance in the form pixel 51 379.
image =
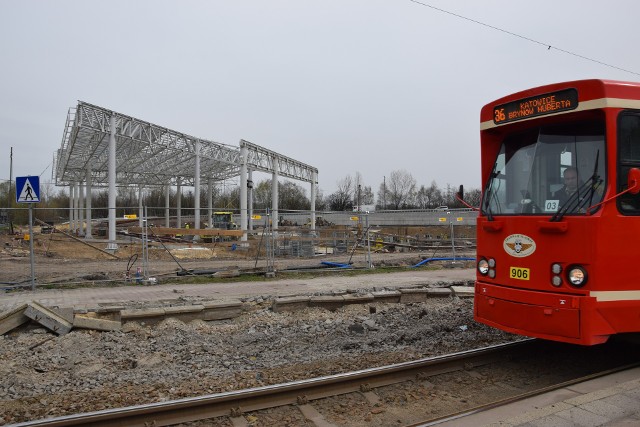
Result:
pixel 103 148
pixel 146 153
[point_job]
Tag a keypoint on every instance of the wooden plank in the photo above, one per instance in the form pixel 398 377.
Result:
pixel 158 231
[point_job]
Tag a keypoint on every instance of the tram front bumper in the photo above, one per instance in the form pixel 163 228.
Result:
pixel 547 315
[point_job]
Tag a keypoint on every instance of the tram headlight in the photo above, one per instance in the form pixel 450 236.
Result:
pixel 483 266
pixel 577 275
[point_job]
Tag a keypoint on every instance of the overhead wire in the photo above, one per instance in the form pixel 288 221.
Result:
pixel 511 33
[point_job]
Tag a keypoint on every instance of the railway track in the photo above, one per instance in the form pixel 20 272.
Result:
pixel 236 403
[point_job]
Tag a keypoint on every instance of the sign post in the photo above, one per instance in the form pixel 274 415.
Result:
pixel 28 191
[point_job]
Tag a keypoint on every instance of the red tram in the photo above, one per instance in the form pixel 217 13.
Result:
pixel 560 212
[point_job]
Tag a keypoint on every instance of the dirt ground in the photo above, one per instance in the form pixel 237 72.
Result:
pixel 62 259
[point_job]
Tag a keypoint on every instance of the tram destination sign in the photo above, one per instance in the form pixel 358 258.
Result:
pixel 548 103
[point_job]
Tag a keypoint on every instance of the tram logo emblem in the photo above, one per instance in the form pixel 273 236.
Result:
pixel 519 245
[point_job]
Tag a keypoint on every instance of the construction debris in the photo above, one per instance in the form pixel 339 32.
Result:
pixel 87 322
pixel 47 318
pixel 13 319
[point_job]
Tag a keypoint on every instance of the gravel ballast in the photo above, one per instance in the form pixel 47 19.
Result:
pixel 45 375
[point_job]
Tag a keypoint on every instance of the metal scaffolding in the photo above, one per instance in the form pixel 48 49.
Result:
pixel 103 148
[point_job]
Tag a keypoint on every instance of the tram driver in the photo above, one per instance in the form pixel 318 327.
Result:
pixel 570 186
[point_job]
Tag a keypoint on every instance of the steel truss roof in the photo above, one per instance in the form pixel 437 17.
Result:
pixel 261 159
pixel 148 154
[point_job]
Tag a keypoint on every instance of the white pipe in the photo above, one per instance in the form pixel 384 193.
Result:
pixel 179 203
pixel 112 184
pixel 167 204
pixel 196 183
pixel 243 191
pixel 274 195
pixel 87 234
pixel 314 181
pixel 210 201
pixel 80 209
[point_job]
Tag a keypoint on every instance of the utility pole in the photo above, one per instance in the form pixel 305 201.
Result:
pixel 10 201
pixel 384 192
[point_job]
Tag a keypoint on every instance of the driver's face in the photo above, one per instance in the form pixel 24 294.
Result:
pixel 571 179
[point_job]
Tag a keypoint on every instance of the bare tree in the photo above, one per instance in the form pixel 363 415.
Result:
pixel 401 189
pixel 473 197
pixel 342 199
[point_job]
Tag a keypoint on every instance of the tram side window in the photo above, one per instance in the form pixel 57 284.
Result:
pixel 628 157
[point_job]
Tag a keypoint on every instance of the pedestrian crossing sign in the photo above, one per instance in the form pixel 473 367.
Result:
pixel 27 189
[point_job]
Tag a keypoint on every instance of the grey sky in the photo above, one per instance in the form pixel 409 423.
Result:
pixel 347 86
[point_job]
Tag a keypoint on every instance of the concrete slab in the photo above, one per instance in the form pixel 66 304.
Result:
pixel 582 417
pixel 13 318
pixel 391 297
pixel 413 295
pixel 463 291
pixel 290 304
pixel 149 315
pixel 357 299
pixel 220 310
pixel 438 293
pixel 185 313
pixel 195 308
pixel 87 322
pixel 327 302
pixel 47 318
pixel 607 410
pixel 624 402
pixel 65 312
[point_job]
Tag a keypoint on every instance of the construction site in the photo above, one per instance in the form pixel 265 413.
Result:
pixel 104 149
pixel 134 305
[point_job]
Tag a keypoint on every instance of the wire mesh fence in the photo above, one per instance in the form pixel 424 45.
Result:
pixel 68 250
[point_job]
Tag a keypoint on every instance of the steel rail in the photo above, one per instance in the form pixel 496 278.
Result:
pixel 234 403
pixel 522 396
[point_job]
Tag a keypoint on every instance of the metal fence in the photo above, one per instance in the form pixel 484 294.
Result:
pixel 63 252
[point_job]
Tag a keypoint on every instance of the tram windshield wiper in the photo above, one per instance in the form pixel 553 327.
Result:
pixel 488 193
pixel 583 196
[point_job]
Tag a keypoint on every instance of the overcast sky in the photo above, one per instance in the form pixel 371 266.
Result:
pixel 347 86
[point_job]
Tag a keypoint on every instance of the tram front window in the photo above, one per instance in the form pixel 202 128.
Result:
pixel 554 171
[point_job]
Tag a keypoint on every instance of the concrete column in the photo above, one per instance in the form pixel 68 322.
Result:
pixel 314 182
pixel 76 200
pixel 196 184
pixel 112 184
pixel 274 194
pixel 167 204
pixel 210 201
pixel 80 209
pixel 87 234
pixel 250 198
pixel 179 204
pixel 140 207
pixel 72 212
pixel 243 191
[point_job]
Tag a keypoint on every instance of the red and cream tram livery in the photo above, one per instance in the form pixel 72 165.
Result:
pixel 559 223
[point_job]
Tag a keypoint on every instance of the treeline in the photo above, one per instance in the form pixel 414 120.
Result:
pixel 399 192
